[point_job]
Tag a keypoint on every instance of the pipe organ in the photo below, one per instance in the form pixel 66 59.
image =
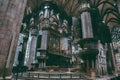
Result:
pixel 47 39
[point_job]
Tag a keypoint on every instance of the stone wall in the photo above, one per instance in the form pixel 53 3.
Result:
pixel 11 15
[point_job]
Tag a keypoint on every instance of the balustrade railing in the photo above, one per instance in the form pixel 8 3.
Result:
pixel 37 75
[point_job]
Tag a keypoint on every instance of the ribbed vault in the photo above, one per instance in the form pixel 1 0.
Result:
pixel 108 10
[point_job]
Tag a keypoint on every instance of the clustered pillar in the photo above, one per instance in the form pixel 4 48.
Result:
pixel 87 35
pixel 11 14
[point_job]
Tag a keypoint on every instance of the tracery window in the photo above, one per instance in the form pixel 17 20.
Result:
pixel 116 36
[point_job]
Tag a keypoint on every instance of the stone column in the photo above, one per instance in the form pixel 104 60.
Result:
pixel 86 25
pixel 93 73
pixel 86 19
pixel 105 50
pixel 44 40
pixel 10 51
pixel 18 50
pixel 113 58
pixel 11 14
pixel 87 66
pixel 27 53
pixel 93 64
pixel 30 51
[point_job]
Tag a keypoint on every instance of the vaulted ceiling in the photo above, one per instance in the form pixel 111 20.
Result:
pixel 107 9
